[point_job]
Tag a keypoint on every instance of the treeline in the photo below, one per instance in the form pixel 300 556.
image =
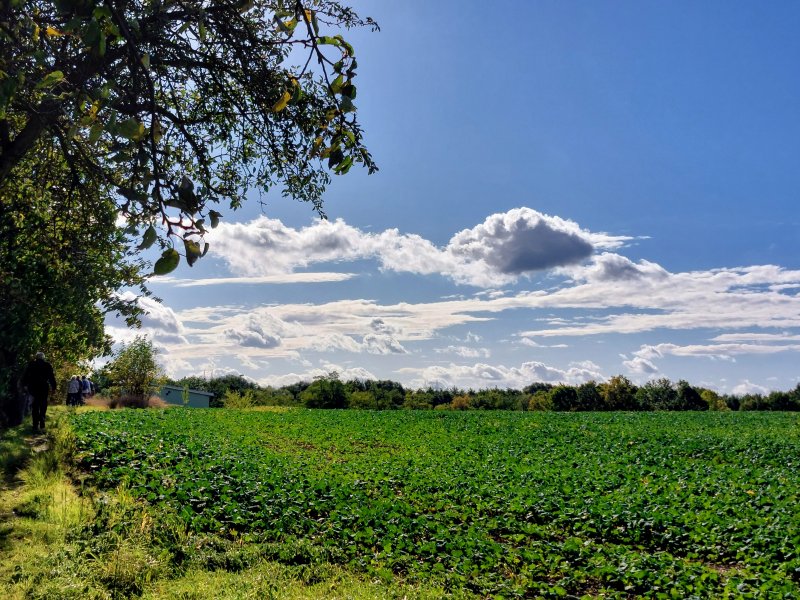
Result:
pixel 618 393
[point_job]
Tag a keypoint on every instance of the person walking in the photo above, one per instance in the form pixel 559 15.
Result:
pixel 74 391
pixel 37 379
pixel 86 389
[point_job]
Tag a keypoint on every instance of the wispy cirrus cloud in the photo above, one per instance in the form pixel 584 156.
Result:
pixel 282 278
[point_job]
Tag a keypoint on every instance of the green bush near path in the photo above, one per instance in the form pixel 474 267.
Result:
pixel 661 505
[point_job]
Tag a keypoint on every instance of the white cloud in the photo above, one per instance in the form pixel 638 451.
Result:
pixel 651 298
pixel 640 366
pixel 254 334
pixel 282 278
pixel 746 387
pixel 481 375
pixel 714 351
pixel 345 374
pixel 498 251
pixel 756 337
pixel 751 310
pixel 465 351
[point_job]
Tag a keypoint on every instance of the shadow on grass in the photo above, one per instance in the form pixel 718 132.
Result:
pixel 16 446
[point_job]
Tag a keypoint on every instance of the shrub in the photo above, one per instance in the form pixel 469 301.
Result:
pixel 540 401
pixel 460 403
pixel 129 401
pixel 234 399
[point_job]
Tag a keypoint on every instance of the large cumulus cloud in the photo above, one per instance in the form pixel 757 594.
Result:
pixel 496 252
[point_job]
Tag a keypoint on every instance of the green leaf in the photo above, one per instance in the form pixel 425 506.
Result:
pixel 167 263
pixel 347 104
pixel 149 238
pixel 186 185
pixel 95 132
pixel 193 251
pixel 336 156
pixel 51 79
pixel 344 166
pixel 326 40
pixel 336 84
pixel 131 129
pixel 349 90
pixel 146 60
pixel 214 216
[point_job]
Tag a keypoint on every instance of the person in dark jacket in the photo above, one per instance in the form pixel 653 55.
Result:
pixel 39 379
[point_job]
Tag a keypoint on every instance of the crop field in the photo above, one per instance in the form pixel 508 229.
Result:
pixel 662 505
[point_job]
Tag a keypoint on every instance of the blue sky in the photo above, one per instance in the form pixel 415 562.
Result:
pixel 567 191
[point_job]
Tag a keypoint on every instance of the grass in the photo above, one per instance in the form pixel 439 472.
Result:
pixel 61 541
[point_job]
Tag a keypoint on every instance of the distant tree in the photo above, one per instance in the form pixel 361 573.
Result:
pixel 619 393
pixel 588 396
pixel 732 401
pixel 657 394
pixel 441 396
pixel 325 392
pixel 234 399
pixel 418 400
pixel 388 394
pixel 360 399
pixel 563 398
pixel 689 398
pixel 135 371
pixel 713 400
pixel 270 396
pixel 752 402
pixel 794 399
pixel 537 387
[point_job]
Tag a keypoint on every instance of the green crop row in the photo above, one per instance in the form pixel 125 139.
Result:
pixel 660 505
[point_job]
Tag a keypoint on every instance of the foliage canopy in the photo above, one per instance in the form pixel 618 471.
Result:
pixel 177 106
pixel 159 111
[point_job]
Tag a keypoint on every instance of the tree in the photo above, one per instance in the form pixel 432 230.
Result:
pixel 158 111
pixel 60 269
pixel 688 398
pixel 657 394
pixel 713 400
pixel 175 107
pixel 563 398
pixel 589 397
pixel 135 371
pixel 619 393
pixel 325 392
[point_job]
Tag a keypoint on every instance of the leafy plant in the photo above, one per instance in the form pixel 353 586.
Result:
pixel 496 503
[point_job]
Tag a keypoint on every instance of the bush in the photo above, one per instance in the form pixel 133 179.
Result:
pixel 460 403
pixel 540 401
pixel 234 399
pixel 128 401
